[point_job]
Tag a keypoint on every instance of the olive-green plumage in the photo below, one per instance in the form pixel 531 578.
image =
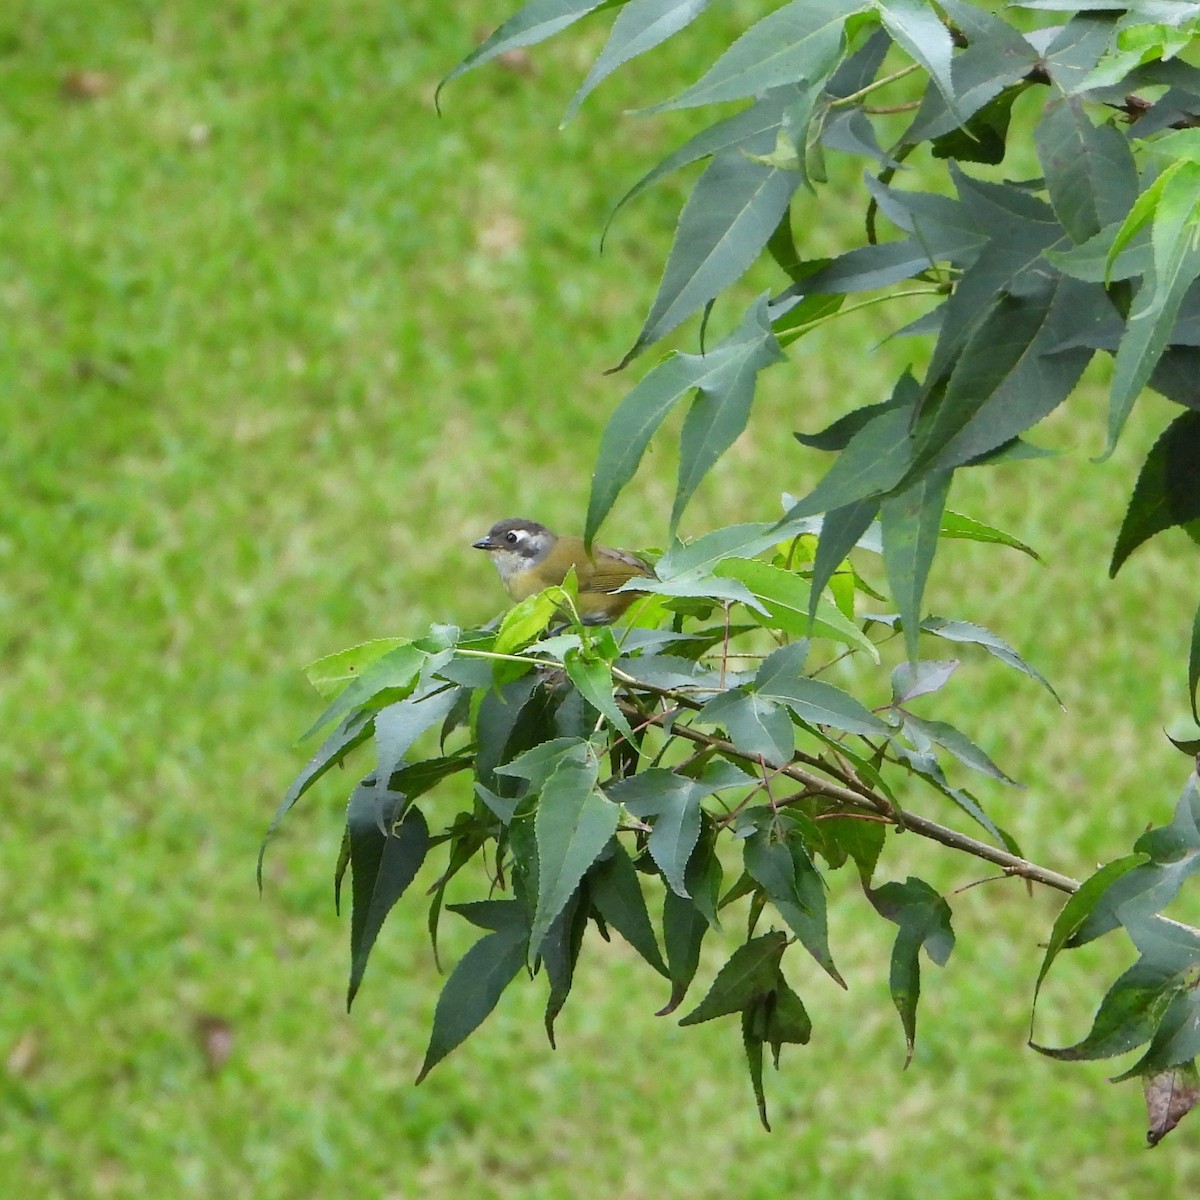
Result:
pixel 529 558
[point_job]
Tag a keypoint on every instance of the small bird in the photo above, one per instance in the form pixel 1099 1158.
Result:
pixel 529 558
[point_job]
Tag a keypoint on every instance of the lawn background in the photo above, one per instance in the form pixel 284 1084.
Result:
pixel 276 342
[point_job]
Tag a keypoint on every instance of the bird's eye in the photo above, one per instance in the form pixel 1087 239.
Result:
pixel 511 538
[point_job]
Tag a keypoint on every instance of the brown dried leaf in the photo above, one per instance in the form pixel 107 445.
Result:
pixel 86 85
pixel 214 1036
pixel 1170 1096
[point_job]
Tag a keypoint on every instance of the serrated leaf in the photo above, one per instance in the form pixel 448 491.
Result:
pixel 352 732
pixel 784 599
pixel 330 674
pixel 955 525
pixel 756 726
pixel 1170 1096
pixel 640 26
pixel 1166 492
pixel 794 886
pixel 399 725
pixel 385 856
pixel 392 675
pixel 923 917
pixel 616 893
pixel 474 987
pixel 1090 173
pixel 573 824
pixel 840 533
pixel 729 216
pixel 539 762
pixel 917 27
pixel 1156 305
pixel 921 732
pixel 813 700
pixel 977 635
pixel 1194 666
pixel 751 972
pixel 684 927
pixel 523 622
pixel 559 953
pixel 910 523
pixel 1073 914
pixel 799 41
pixel 673 801
pixel 593 678
pixel 728 370
pixel 921 677
pixel 537 21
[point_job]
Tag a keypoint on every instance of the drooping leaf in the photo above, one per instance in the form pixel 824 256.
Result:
pixel 729 216
pixel 1170 1096
pixel 799 41
pixel 976 635
pixel 385 855
pixel 1194 666
pixel 794 886
pixel 475 985
pixel 684 927
pixel 616 894
pixel 955 525
pixel 640 26
pixel 593 678
pixel 573 824
pixel 673 801
pixel 389 677
pixel 351 733
pixel 537 21
pixel 922 732
pixel 329 675
pixel 840 532
pixel 560 952
pixel 399 725
pixel 1167 492
pixel 728 370
pixel 751 972
pixel 910 522
pixel 924 920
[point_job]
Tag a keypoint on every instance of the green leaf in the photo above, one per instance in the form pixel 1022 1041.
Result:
pixel 524 622
pixel 1090 173
pixel 399 725
pixel 800 41
pixel 615 890
pixel 750 974
pixel 753 1037
pixel 560 953
pixel 920 677
pixel 593 678
pixel 753 130
pixel 977 635
pixel 698 557
pixel 922 732
pixel 1176 1041
pixel 715 420
pixel 793 884
pixel 729 216
pixel 875 459
pixel 910 523
pixel 756 726
pixel 392 676
pixel 573 824
pixel 350 734
pixel 1166 493
pixel 330 674
pixel 917 27
pixel 674 803
pixel 813 700
pixel 1176 266
pixel 924 920
pixel 784 599
pixel 475 985
pixel 840 532
pixel 1194 665
pixel 955 525
pixel 1077 909
pixel 539 762
pixel 385 855
pixel 728 370
pixel 640 26
pixel 537 21
pixel 684 927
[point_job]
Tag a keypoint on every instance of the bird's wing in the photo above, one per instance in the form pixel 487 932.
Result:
pixel 612 568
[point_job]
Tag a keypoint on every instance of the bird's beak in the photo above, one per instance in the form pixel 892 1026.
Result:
pixel 484 543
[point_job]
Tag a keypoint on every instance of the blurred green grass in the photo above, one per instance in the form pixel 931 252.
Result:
pixel 277 343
